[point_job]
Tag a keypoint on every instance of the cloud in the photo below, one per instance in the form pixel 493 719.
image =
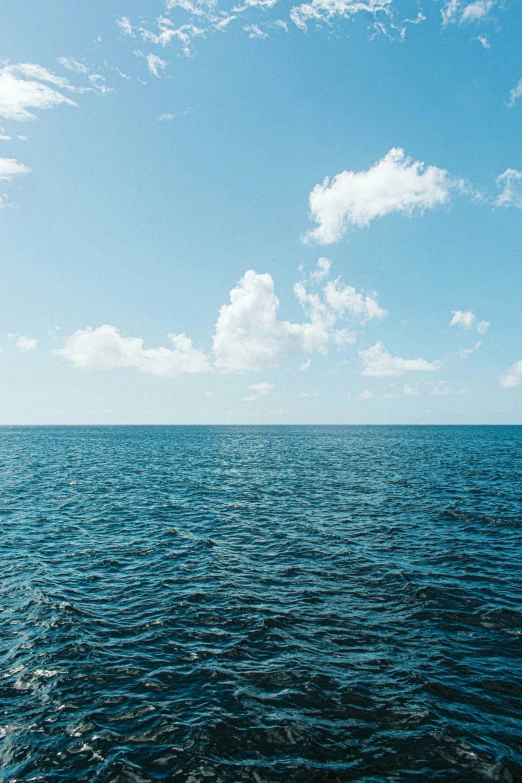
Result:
pixel 258 390
pixel 104 349
pixel 168 116
pixel 26 343
pixel 73 65
pixel 344 298
pixel 393 184
pixel 366 395
pixel 97 84
pixel 325 10
pixel 249 335
pixel 483 40
pixel 477 10
pixel 305 365
pixel 465 352
pixel 444 391
pixel 512 377
pixel 125 26
pixel 186 33
pixel 511 183
pixel 515 94
pixel 467 319
pixel 457 11
pixel 9 167
pixel 261 18
pixel 322 269
pixel 155 64
pixel 203 17
pixel 463 318
pixel 254 31
pixel 380 363
pixel 253 4
pixel 26 86
pixel 409 391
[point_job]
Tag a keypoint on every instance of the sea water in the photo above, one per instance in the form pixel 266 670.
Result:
pixel 295 604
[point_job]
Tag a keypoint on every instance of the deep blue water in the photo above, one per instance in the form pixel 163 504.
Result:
pixel 297 604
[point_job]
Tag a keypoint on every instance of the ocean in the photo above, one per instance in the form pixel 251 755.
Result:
pixel 294 604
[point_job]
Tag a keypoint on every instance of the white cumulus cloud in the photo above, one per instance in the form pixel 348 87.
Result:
pixel 512 377
pixel 250 336
pixel 344 298
pixel 104 348
pixel 248 333
pixel 393 184
pixel 379 362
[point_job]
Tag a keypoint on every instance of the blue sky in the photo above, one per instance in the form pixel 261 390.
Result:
pixel 261 212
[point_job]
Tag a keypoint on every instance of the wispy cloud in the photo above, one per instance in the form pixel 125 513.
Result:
pixel 511 194
pixel 466 352
pixel 515 94
pixel 25 87
pixel 257 390
pixel 155 64
pixel 73 65
pixel 169 116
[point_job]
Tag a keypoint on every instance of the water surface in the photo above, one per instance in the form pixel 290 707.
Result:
pixel 295 604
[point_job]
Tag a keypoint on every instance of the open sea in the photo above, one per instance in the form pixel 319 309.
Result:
pixel 294 604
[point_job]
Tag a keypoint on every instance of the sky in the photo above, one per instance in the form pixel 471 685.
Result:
pixel 261 212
